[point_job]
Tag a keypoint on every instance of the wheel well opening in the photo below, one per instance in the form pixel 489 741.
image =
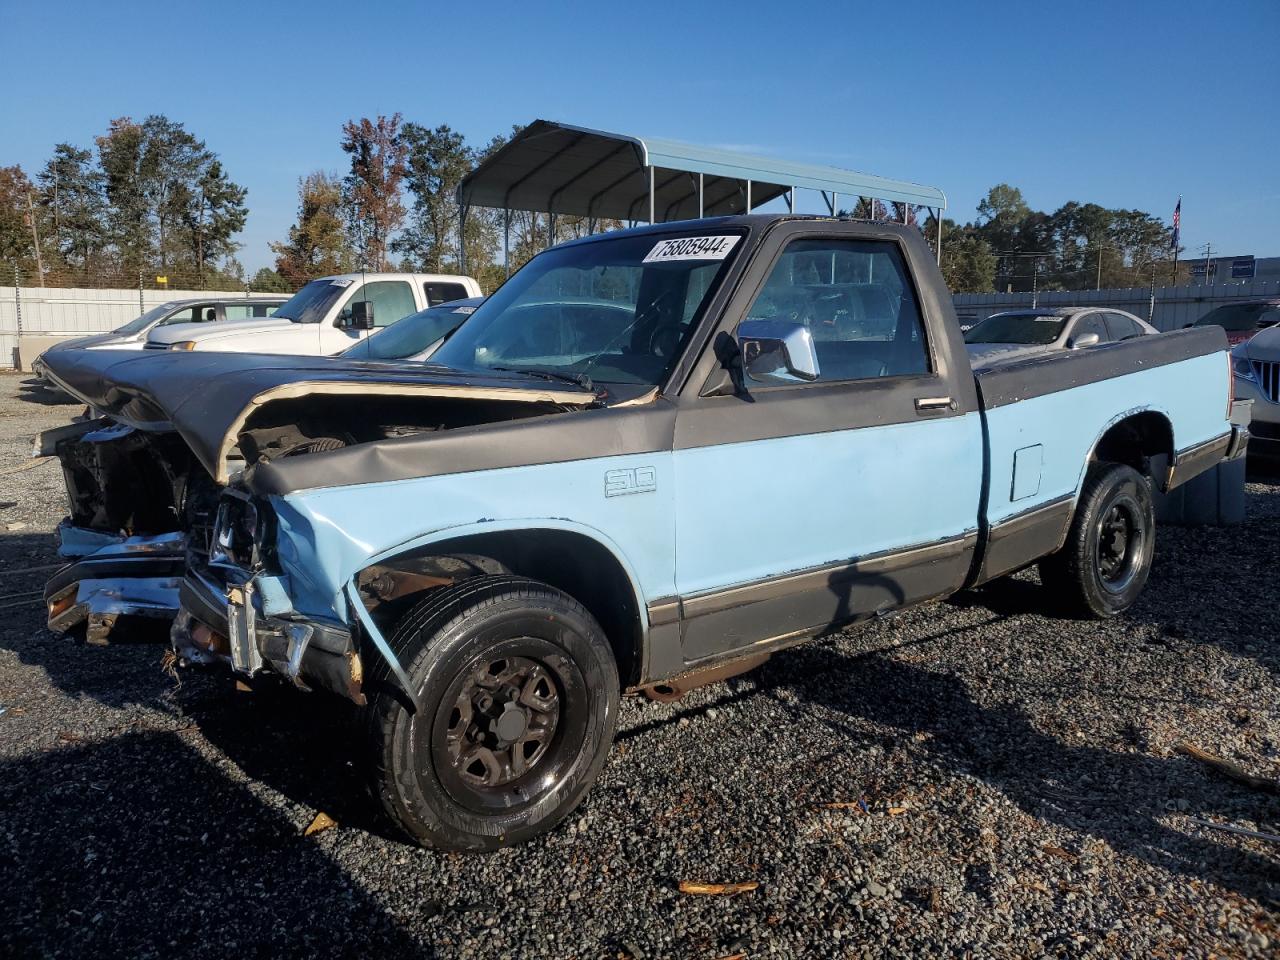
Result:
pixel 1137 440
pixel 572 562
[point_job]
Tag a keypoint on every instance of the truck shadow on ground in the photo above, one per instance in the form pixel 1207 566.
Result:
pixel 1119 803
pixel 138 845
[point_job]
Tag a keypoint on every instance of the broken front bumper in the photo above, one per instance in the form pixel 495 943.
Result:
pixel 225 624
pixel 113 576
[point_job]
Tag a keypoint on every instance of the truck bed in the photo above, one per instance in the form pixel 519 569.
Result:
pixel 1044 417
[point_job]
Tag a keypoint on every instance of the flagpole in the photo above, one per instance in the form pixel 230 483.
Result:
pixel 1177 230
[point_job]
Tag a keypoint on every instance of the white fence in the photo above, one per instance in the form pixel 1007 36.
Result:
pixel 1175 307
pixel 74 312
pixel 70 311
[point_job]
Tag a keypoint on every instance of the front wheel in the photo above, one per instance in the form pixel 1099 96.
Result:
pixel 517 695
pixel 1105 562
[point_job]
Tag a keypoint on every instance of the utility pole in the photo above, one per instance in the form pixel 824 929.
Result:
pixel 35 237
pixel 1098 284
pixel 1035 282
pixel 1208 249
pixel 17 294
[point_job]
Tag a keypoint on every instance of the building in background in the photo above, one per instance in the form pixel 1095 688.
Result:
pixel 1229 269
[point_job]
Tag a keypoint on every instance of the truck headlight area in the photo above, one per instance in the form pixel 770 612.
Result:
pixel 1243 368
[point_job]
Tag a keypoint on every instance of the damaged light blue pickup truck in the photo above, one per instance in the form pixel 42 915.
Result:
pixel 710 441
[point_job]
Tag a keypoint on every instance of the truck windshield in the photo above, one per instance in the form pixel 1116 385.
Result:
pixel 312 302
pixel 413 334
pixel 615 310
pixel 141 323
pixel 1017 328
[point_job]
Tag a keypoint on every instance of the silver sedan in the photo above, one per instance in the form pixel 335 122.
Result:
pixel 1016 334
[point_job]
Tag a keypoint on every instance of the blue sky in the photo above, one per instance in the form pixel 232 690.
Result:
pixel 1123 104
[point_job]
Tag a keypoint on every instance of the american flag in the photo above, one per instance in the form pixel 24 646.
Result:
pixel 1177 224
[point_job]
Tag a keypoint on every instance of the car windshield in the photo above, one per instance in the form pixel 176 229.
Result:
pixel 615 310
pixel 141 323
pixel 1029 328
pixel 1238 317
pixel 413 334
pixel 312 302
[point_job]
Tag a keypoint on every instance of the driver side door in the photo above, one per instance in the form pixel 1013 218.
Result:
pixel 805 504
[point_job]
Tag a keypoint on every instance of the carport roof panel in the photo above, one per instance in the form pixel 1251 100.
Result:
pixel 561 168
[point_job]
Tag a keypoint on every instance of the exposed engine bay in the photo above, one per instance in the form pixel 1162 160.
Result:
pixel 144 504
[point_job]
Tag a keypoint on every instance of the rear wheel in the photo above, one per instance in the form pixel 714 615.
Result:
pixel 1105 562
pixel 518 697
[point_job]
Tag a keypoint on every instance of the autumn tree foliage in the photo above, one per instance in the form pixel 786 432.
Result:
pixel 318 244
pixel 371 191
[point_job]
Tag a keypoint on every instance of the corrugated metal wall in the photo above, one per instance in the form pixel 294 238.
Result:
pixel 74 311
pixel 1175 307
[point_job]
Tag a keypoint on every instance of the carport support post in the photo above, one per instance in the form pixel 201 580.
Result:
pixel 701 212
pixel 938 216
pixel 462 239
pixel 748 210
pixel 1151 301
pixel 506 240
pixel 652 195
pixel 791 200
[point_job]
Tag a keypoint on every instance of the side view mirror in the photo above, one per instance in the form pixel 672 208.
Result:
pixel 359 318
pixel 1084 340
pixel 777 349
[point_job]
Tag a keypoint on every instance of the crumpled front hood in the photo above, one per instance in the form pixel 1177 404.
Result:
pixel 208 397
pixel 178 332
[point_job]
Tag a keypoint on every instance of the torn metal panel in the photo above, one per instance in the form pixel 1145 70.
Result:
pixel 82 542
pixel 98 603
pixel 127 576
pixel 310 654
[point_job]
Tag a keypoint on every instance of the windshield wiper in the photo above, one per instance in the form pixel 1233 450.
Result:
pixel 577 379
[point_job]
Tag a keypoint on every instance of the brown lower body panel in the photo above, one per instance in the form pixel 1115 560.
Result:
pixel 728 622
pixel 1193 461
pixel 1025 538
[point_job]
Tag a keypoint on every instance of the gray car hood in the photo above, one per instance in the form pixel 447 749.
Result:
pixel 988 353
pixel 1263 345
pixel 94 340
pixel 178 332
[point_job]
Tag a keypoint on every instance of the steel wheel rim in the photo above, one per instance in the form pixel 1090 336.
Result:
pixel 506 730
pixel 1120 540
pixel 502 721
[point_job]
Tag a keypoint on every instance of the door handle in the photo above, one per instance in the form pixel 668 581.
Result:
pixel 934 403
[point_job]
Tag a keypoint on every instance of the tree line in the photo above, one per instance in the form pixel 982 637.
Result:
pixel 395 208
pixel 151 199
pixel 1080 246
pixel 148 198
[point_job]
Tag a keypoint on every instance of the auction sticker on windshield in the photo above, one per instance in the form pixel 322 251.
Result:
pixel 691 248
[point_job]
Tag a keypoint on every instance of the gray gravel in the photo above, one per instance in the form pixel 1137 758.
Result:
pixel 1022 795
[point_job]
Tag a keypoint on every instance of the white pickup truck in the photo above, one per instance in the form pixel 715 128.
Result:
pixel 325 317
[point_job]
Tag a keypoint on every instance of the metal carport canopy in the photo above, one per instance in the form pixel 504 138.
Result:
pixel 559 168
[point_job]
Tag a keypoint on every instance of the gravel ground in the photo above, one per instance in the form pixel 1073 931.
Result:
pixel 1005 785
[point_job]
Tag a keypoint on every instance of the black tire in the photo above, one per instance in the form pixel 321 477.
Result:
pixel 529 666
pixel 1105 562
